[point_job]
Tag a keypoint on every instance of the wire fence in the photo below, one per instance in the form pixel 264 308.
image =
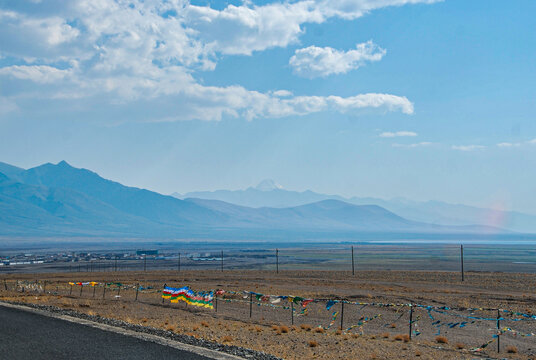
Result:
pixel 438 257
pixel 477 328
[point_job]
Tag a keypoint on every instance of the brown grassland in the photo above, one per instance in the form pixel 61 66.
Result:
pixel 384 336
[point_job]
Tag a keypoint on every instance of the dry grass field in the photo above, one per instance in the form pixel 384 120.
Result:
pixel 384 334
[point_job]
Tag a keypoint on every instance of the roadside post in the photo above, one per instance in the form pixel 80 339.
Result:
pixel 94 289
pixel 342 314
pixel 410 318
pixel 498 331
pixel 71 292
pixel 292 313
pixel 81 288
pixel 277 261
pixel 461 260
pixel 103 291
pixel 250 304
pixel 353 265
pixel 137 289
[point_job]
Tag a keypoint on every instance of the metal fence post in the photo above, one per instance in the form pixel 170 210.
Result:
pixel 250 303
pixel 461 260
pixel 353 266
pixel 410 318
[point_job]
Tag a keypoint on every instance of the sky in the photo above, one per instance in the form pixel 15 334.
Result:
pixel 423 99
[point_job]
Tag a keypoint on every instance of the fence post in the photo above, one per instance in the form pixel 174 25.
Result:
pixel 118 289
pixel 461 260
pixel 410 318
pixel 94 289
pixel 162 296
pixel 277 261
pixel 353 266
pixel 498 330
pixel 222 261
pixel 137 289
pixel 81 287
pixel 342 314
pixel 250 303
pixel 71 292
pixel 215 302
pixel 5 284
pixel 44 287
pixel 292 312
pixel 103 291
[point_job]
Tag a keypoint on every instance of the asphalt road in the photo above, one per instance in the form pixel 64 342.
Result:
pixel 26 335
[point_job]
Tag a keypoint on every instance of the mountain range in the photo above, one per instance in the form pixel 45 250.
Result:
pixel 58 200
pixel 270 194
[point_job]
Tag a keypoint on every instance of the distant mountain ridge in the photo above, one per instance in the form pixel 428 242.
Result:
pixel 436 212
pixel 60 200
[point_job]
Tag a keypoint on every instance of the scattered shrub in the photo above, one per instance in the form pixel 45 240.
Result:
pixel 170 328
pixel 195 328
pixel 385 335
pixel 402 337
pixel 205 324
pixel 319 330
pixel 312 343
pixel 511 350
pixel 258 329
pixel 275 327
pixel 226 339
pixel 418 353
pixel 283 329
pixel 460 346
pixel 338 332
pixel 306 327
pixel 441 340
pixel 392 326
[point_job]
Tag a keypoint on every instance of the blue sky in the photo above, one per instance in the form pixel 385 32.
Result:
pixel 419 99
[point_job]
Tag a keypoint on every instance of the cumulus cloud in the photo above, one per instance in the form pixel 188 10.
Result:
pixel 390 134
pixel 316 61
pixel 467 147
pixel 146 51
pixel 419 144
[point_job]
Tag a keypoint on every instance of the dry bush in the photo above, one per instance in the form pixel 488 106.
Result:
pixel 306 327
pixel 402 337
pixel 460 346
pixel 195 328
pixel 418 353
pixel 392 326
pixel 355 336
pixel 319 330
pixel 226 339
pixel 441 340
pixel 205 324
pixel 170 328
pixel 338 332
pixel 385 335
pixel 258 329
pixel 275 327
pixel 283 329
pixel 511 350
pixel 373 337
pixel 166 322
pixel 144 320
pixel 312 343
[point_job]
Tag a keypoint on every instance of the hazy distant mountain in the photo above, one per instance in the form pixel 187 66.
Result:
pixel 435 212
pixel 10 170
pixel 60 200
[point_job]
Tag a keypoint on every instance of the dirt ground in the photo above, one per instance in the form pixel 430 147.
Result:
pixel 382 334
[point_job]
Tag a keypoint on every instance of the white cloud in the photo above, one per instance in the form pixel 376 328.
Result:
pixel 390 134
pixel 508 145
pixel 146 51
pixel 315 61
pixel 420 144
pixel 468 147
pixel 37 73
pixel 533 141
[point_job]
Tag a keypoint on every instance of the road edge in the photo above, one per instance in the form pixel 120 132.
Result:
pixel 213 354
